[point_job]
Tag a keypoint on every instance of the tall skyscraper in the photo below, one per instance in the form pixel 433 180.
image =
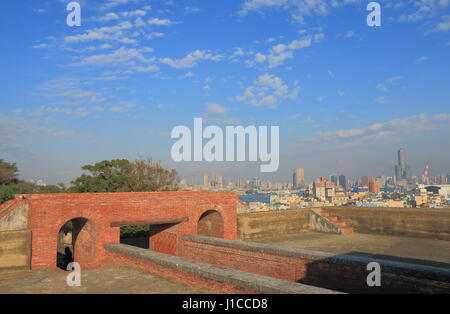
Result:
pixel 205 180
pixel 343 181
pixel 334 179
pixel 402 170
pixel 298 178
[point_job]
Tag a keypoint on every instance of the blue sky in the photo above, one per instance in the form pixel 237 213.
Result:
pixel 345 95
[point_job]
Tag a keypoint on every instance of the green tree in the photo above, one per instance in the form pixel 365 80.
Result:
pixel 8 172
pixel 7 192
pixel 121 175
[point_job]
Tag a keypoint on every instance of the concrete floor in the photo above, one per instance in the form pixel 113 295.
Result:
pixel 416 250
pixel 111 280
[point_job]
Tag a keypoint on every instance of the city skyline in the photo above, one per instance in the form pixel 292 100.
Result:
pixel 345 95
pixel 298 181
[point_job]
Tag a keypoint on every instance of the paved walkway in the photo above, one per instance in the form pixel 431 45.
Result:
pixel 114 280
pixel 391 247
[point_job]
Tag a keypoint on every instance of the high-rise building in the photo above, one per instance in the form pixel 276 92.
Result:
pixel 217 180
pixel 334 179
pixel 323 189
pixel 402 170
pixel 364 181
pixel 343 182
pixel 374 186
pixel 205 180
pixel 256 183
pixel 299 178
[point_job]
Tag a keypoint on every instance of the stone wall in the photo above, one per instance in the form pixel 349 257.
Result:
pixel 254 226
pixel 410 222
pixel 320 223
pixel 14 217
pixel 15 250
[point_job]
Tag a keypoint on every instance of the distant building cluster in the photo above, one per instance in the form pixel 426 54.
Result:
pixel 399 190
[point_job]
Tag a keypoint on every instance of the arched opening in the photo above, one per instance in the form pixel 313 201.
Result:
pixel 210 224
pixel 77 240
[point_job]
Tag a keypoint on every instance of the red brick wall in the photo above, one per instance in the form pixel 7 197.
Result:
pixel 85 239
pixel 333 276
pixel 180 276
pixel 165 239
pixel 281 267
pixel 211 224
pixel 48 213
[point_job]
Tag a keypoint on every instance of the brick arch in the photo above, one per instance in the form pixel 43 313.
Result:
pixel 85 241
pixel 49 212
pixel 211 224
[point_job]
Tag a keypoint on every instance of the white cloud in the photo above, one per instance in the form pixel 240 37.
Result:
pixel 191 59
pixel 381 100
pixel 300 9
pixel 350 34
pixel 421 59
pixel 103 33
pixel 278 54
pixel 114 3
pixel 132 58
pixel 391 81
pixel 135 13
pixel 191 10
pixel 267 91
pixel 69 91
pixel 444 25
pixel 217 114
pixel 393 129
pixel 40 46
pixel 161 22
pixel 423 9
pixel 17 132
pixel 108 17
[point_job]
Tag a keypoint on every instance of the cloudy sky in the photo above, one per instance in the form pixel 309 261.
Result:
pixel 346 96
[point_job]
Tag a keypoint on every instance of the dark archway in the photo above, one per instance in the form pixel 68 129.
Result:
pixel 77 240
pixel 210 224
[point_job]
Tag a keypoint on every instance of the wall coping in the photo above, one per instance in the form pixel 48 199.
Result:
pixel 257 283
pixel 7 207
pixel 401 268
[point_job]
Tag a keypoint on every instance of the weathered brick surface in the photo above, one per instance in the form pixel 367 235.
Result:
pixel 336 272
pixel 48 213
pixel 224 280
pixel 15 249
pixel 411 222
pixel 254 226
pixel 195 281
pixel 211 225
